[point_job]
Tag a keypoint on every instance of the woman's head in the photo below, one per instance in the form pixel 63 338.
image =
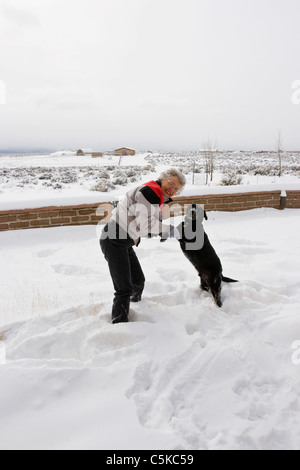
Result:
pixel 172 182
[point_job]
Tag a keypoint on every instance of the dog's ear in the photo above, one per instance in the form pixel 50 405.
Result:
pixel 205 215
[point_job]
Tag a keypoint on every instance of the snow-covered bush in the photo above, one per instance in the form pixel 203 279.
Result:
pixel 118 173
pixel 130 173
pixel 103 186
pixel 69 177
pixel 105 175
pixel 265 171
pixel 120 181
pixel 231 178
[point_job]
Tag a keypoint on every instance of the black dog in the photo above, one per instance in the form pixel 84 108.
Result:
pixel 197 248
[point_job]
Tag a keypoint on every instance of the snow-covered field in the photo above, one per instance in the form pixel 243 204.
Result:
pixel 58 172
pixel 183 374
pixel 62 178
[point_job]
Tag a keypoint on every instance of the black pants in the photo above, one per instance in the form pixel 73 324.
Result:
pixel 125 270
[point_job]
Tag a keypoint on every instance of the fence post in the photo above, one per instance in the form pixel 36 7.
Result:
pixel 283 200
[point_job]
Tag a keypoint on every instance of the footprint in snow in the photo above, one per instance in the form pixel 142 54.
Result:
pixel 73 270
pixel 45 253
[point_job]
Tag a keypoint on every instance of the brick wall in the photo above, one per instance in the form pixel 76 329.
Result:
pixel 236 202
pixel 293 199
pixel 88 214
pixel 49 217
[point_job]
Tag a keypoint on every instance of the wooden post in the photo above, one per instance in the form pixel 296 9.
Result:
pixel 282 200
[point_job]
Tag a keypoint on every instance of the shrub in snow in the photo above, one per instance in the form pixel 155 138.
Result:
pixel 118 173
pixel 103 186
pixel 150 168
pixel 130 173
pixel 105 175
pixel 120 181
pixel 265 171
pixel 231 178
pixel 198 169
pixel 69 177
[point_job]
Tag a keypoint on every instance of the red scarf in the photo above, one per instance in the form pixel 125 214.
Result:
pixel 158 191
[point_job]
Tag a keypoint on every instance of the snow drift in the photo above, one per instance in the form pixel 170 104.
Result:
pixel 183 374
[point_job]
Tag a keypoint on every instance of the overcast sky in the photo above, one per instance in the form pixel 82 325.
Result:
pixel 149 74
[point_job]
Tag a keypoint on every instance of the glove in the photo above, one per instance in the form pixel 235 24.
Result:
pixel 174 233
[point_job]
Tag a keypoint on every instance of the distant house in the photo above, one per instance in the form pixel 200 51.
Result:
pixel 124 151
pixel 81 152
pixel 97 154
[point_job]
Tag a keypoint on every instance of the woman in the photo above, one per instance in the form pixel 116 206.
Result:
pixel 138 215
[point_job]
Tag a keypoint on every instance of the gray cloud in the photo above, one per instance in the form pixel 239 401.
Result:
pixel 152 73
pixel 63 100
pixel 20 17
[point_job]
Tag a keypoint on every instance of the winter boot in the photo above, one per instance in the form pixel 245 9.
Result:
pixel 136 297
pixel 120 319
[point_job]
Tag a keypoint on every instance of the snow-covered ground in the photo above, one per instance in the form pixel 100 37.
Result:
pixel 28 181
pixel 62 160
pixel 183 374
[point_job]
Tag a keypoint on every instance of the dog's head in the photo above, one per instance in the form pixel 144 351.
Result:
pixel 192 228
pixel 195 212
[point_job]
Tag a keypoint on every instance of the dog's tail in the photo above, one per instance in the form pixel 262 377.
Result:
pixel 228 279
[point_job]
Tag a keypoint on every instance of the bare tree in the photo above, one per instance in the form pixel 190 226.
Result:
pixel 207 163
pixel 279 150
pixel 194 168
pixel 209 155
